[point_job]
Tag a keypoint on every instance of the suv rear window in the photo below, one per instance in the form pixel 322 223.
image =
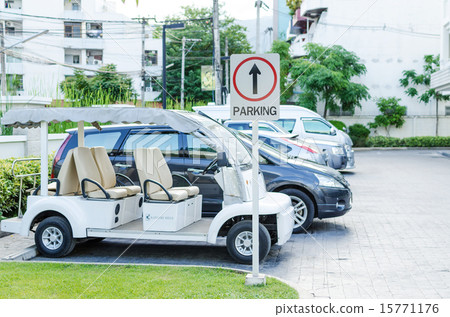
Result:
pixel 168 143
pixel 287 124
pixel 105 139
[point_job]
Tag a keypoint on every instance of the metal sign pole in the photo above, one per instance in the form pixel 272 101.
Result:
pixel 255 199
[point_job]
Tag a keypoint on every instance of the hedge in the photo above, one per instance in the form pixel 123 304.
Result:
pixel 10 186
pixel 359 134
pixel 419 141
pixel 338 124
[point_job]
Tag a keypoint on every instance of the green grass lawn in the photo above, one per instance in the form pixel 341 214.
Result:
pixel 55 280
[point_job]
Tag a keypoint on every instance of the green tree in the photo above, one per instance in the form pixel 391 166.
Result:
pixel 201 52
pixel 325 74
pixel 293 5
pixel 392 114
pixel 107 86
pixel 286 89
pixel 413 81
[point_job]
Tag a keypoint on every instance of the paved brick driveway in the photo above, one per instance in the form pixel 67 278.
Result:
pixel 394 243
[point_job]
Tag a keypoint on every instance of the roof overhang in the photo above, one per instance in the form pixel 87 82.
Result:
pixel 32 118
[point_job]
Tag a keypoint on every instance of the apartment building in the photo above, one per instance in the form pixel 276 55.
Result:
pixel 441 79
pixel 389 37
pixel 82 34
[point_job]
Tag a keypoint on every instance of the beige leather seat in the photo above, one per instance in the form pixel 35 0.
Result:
pixel 68 178
pixel 107 173
pixel 164 173
pixel 87 169
pixel 150 164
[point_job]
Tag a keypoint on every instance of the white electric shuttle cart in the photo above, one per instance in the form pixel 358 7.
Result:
pixel 85 203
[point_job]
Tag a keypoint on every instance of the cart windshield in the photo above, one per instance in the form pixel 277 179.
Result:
pixel 239 153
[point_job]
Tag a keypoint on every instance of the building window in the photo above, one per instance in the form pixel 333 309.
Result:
pixel 14 83
pixel 72 56
pixel 13 58
pixel 13 28
pixel 447 110
pixel 151 57
pixel 94 30
pixel 340 112
pixel 13 4
pixel 151 84
pixel 72 29
pixel 94 57
pixel 72 5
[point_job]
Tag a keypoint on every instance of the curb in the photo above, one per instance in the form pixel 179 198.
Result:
pixel 357 149
pixel 24 255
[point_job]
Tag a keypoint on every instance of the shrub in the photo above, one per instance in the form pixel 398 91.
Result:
pixel 359 134
pixel 10 186
pixel 338 124
pixel 384 141
pixel 420 141
pixel 391 114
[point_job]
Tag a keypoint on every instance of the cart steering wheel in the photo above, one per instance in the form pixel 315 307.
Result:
pixel 210 165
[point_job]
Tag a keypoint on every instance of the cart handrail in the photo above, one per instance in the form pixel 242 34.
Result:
pixel 24 160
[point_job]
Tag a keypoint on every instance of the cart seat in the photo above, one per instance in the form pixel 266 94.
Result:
pixel 68 178
pixel 87 169
pixel 151 165
pixel 191 190
pixel 107 173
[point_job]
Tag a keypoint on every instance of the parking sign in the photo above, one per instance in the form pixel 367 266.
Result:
pixel 255 86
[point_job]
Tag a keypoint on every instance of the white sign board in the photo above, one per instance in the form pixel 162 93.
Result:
pixel 255 86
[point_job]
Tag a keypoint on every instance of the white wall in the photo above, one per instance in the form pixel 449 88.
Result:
pixel 389 37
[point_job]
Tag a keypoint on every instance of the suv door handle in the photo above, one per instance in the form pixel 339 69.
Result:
pixel 122 165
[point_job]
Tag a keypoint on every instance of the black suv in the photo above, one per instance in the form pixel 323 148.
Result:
pixel 315 190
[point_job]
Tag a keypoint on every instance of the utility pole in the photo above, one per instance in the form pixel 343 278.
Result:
pixel 144 21
pixel 3 58
pixel 258 7
pixel 183 44
pixel 184 52
pixel 217 65
pixel 227 78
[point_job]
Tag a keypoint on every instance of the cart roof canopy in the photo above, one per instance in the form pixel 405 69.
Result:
pixel 31 118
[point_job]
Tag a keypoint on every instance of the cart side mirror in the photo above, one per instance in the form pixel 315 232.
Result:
pixel 222 159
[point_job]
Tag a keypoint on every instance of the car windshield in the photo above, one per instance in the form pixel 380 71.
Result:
pixel 237 150
pixel 264 147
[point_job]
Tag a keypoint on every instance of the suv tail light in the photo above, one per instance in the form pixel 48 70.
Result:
pixel 59 153
pixel 305 147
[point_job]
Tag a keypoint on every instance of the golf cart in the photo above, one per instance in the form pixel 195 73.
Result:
pixel 84 201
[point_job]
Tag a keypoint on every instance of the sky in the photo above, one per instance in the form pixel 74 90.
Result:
pixel 239 9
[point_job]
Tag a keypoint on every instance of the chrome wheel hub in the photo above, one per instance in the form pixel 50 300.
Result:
pixel 52 238
pixel 300 211
pixel 243 243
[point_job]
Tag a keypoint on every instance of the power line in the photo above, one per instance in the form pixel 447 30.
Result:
pixel 67 19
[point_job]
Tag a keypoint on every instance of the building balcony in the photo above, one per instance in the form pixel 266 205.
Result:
pixel 83 43
pixel 313 8
pixel 13 5
pixel 298 45
pixel 440 81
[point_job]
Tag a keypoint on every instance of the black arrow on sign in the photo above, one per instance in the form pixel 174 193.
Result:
pixel 255 72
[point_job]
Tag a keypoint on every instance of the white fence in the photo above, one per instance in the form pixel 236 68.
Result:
pixel 20 146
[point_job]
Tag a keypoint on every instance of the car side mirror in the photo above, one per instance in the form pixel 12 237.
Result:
pixel 345 129
pixel 222 159
pixel 333 132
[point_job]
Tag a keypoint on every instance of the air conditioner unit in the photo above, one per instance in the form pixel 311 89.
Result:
pixel 97 62
pixel 9 24
pixel 148 89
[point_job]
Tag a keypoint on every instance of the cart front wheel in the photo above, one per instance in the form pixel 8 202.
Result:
pixel 53 237
pixel 240 242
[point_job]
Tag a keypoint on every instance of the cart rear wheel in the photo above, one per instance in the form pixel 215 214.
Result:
pixel 240 244
pixel 54 237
